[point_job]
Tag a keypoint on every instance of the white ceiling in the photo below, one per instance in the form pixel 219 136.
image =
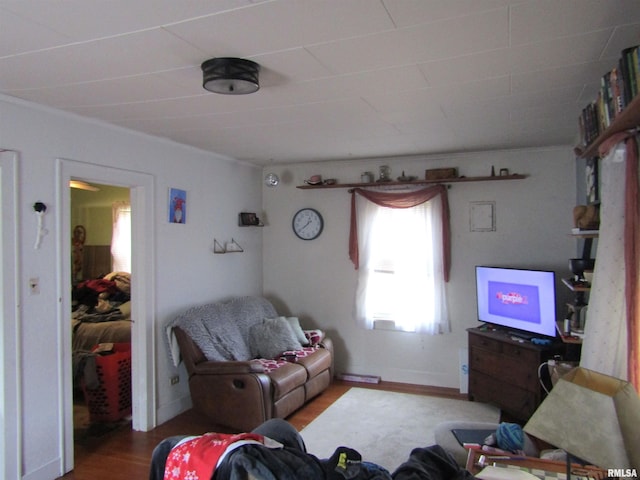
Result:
pixel 340 78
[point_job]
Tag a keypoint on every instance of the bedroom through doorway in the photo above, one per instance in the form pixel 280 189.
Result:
pixel 100 239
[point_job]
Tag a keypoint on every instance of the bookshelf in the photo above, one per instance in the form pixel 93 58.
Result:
pixel 616 107
pixel 628 119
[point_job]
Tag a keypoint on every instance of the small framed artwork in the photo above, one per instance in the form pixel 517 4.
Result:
pixel 177 206
pixel 249 219
pixel 591 179
pixel 482 217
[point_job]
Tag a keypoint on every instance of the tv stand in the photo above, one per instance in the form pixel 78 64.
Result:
pixel 504 371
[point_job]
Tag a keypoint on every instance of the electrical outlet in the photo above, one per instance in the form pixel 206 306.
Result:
pixel 175 379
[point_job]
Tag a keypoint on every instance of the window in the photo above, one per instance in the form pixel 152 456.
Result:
pixel 402 265
pixel 121 237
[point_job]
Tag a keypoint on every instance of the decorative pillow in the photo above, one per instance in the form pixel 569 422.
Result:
pixel 314 337
pixel 272 337
pixel 297 329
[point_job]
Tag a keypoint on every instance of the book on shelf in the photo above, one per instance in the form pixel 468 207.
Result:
pixel 618 88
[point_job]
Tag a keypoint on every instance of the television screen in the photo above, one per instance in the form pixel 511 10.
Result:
pixel 517 299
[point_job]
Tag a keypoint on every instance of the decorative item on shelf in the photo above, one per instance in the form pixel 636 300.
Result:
pixel 440 173
pixel 230 76
pixel 366 177
pixel 314 180
pixel 271 180
pixel 504 172
pixel 249 219
pixel 330 181
pixel 579 265
pixel 385 173
pixel 586 217
pixel 459 179
pixel 591 180
pixel 406 178
pixel 591 416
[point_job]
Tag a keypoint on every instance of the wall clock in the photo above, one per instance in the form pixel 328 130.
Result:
pixel 307 224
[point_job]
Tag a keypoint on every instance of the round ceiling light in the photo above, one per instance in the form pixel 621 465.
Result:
pixel 271 180
pixel 230 76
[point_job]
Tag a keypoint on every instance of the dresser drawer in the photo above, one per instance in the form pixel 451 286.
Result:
pixel 523 354
pixel 485 343
pixel 518 402
pixel 509 370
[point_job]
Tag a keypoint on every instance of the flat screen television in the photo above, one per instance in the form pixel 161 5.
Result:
pixel 520 300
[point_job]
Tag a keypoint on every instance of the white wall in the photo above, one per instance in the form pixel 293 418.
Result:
pixel 186 271
pixel 311 279
pixel 315 279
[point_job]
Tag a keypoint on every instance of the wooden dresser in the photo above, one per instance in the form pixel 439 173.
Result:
pixel 504 372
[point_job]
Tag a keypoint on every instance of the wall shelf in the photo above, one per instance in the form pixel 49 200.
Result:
pixel 586 234
pixel 585 287
pixel 229 247
pixel 415 182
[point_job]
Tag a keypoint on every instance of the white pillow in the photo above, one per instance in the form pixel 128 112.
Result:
pixel 294 322
pixel 272 337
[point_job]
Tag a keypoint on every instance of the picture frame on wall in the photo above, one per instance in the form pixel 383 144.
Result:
pixel 177 205
pixel 592 180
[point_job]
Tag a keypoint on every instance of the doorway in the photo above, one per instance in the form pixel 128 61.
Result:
pixel 101 310
pixel 141 187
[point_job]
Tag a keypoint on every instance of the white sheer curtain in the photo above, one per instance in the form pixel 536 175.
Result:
pixel 604 347
pixel 121 237
pixel 407 241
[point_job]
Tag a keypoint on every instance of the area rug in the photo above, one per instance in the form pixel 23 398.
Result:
pixel 385 426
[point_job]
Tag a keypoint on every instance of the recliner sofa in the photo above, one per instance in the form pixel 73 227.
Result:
pixel 234 377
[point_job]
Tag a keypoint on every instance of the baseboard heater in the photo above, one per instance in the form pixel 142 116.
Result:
pixel 356 377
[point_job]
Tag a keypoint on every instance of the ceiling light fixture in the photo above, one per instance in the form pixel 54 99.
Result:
pixel 230 76
pixel 83 186
pixel 271 180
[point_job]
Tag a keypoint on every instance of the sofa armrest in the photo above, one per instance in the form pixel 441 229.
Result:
pixel 227 368
pixel 327 343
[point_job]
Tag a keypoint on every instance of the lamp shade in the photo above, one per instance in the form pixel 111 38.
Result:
pixel 593 417
pixel 230 76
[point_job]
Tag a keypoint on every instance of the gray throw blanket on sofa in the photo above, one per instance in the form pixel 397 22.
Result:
pixel 221 329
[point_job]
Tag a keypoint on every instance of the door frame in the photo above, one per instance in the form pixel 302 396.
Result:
pixel 143 241
pixel 10 385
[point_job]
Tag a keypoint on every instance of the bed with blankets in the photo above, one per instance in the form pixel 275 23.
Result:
pixel 101 311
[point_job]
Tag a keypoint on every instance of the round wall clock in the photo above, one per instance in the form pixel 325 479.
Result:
pixel 307 224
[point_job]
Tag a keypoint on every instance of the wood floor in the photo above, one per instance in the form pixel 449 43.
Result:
pixel 125 454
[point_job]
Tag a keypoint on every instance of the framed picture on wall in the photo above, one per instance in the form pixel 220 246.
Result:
pixel 592 180
pixel 177 206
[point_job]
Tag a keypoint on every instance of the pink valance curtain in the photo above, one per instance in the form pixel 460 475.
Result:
pixel 631 249
pixel 403 200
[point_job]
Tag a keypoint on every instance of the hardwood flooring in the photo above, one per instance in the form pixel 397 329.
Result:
pixel 125 454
